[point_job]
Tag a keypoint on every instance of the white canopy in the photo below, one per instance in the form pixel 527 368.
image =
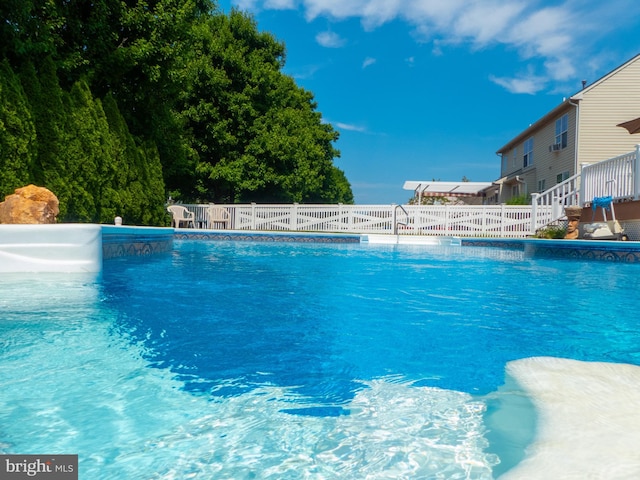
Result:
pixel 446 189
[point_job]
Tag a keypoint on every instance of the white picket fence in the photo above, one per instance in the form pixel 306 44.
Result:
pixel 618 177
pixel 507 221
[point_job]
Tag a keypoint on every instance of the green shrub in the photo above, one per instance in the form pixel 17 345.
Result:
pixel 551 232
pixel 520 200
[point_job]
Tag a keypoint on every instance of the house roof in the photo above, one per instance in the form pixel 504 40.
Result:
pixel 431 188
pixel 578 95
pixel 565 105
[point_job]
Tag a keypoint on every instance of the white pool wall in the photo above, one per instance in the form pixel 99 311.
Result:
pixel 62 248
pixel 75 248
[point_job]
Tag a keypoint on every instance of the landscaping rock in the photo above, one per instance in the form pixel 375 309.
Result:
pixel 29 205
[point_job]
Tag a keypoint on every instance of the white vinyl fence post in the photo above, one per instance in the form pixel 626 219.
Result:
pixel 293 225
pixel 534 212
pixel 394 225
pixel 253 216
pixel 447 223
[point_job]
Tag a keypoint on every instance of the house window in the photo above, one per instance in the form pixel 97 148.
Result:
pixel 515 157
pixel 527 156
pixel 541 185
pixel 561 177
pixel 515 190
pixel 562 129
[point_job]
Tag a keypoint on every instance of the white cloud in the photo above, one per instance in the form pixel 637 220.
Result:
pixel 305 72
pixel 246 4
pixel 368 62
pixel 379 12
pixel 257 5
pixel 544 33
pixel 280 4
pixel 437 48
pixel 554 35
pixel 484 23
pixel 529 84
pixel 560 68
pixel 330 40
pixel 337 9
pixel 350 127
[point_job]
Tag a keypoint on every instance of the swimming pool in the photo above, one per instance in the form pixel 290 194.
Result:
pixel 268 360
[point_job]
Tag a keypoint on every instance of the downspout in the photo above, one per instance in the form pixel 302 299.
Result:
pixel 575 150
pixel 502 174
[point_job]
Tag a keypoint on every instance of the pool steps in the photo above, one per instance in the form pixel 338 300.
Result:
pixel 588 423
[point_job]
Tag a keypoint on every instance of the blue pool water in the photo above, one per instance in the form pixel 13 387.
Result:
pixel 269 360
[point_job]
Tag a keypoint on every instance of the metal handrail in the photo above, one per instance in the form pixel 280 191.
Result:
pixel 395 218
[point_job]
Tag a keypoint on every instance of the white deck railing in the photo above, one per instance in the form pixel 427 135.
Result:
pixel 618 177
pixel 460 220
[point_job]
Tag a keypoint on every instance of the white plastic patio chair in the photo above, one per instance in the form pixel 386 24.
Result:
pixel 216 215
pixel 180 215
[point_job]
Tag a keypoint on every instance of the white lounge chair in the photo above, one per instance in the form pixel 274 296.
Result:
pixel 180 215
pixel 216 215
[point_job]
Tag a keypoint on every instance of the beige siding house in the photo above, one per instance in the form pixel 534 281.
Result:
pixel 582 129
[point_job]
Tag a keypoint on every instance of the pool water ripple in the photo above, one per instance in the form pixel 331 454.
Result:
pixel 225 360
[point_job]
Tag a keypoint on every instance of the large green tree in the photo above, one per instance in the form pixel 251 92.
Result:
pixel 258 135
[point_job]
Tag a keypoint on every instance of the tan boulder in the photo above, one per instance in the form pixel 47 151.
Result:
pixel 28 205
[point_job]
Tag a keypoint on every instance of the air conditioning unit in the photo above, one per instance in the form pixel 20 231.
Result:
pixel 556 147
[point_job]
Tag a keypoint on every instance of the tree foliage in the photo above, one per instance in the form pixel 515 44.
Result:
pixel 119 104
pixel 257 134
pixel 17 133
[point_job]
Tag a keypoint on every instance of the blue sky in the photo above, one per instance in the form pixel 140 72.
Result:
pixel 431 89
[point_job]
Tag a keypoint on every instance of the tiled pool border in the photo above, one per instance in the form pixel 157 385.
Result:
pixel 140 241
pixel 608 251
pixel 124 241
pixel 238 236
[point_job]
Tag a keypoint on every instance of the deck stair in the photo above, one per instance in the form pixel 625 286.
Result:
pixel 564 194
